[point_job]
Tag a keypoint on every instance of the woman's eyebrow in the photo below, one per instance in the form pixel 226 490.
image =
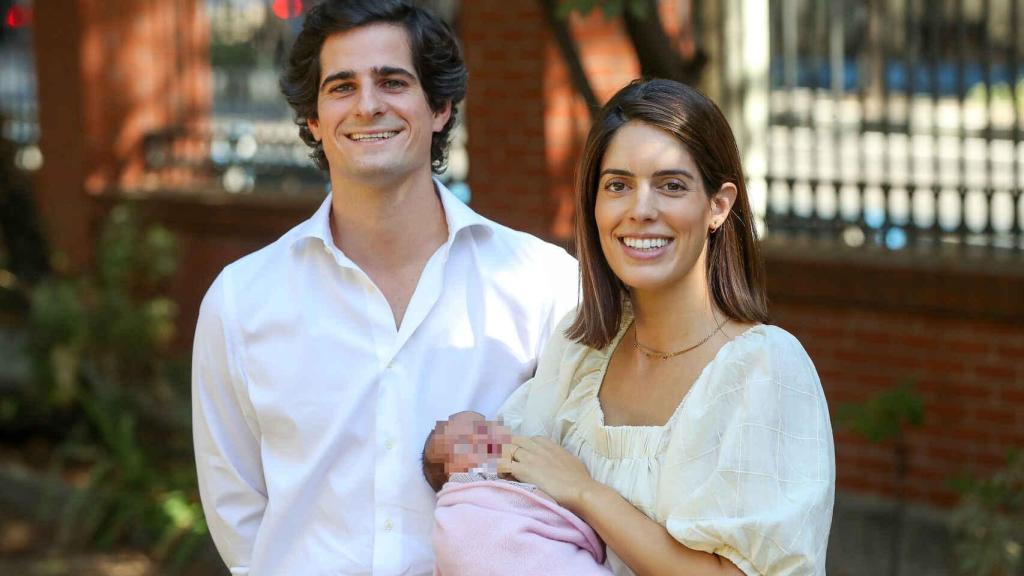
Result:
pixel 659 174
pixel 615 172
pixel 674 172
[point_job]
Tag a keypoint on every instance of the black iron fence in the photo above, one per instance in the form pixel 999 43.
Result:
pixel 897 122
pixel 19 115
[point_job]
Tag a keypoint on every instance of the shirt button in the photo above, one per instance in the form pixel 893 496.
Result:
pixel 388 525
pixel 389 444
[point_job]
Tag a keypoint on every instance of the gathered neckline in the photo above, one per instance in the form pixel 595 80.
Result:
pixel 605 357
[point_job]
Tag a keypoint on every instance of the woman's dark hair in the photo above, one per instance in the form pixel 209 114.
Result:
pixel 734 268
pixel 435 52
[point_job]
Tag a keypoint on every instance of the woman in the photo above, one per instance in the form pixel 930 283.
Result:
pixel 691 435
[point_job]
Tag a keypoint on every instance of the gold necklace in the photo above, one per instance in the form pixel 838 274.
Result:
pixel 654 354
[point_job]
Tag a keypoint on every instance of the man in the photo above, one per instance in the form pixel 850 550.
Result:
pixel 322 361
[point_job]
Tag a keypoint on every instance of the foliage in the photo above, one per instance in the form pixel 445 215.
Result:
pixel 108 381
pixel 989 522
pixel 884 416
pixel 610 8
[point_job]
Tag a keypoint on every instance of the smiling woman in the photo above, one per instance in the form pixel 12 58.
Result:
pixel 704 447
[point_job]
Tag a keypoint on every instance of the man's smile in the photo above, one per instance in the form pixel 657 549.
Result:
pixel 374 136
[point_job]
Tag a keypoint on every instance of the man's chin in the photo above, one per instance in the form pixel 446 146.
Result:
pixel 371 173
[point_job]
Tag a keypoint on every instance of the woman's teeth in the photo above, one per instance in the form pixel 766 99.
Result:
pixel 645 243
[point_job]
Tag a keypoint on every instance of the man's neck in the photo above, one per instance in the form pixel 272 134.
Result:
pixel 389 231
pixel 390 222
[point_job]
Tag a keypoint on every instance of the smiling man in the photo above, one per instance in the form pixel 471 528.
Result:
pixel 322 361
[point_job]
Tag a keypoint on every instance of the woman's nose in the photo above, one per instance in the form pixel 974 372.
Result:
pixel 644 204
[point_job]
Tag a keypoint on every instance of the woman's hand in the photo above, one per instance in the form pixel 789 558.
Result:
pixel 543 463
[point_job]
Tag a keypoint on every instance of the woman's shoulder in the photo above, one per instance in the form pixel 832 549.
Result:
pixel 764 354
pixel 768 342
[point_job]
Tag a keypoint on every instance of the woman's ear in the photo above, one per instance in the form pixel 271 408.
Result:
pixel 721 205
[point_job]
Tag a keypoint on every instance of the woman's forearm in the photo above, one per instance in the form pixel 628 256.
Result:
pixel 643 544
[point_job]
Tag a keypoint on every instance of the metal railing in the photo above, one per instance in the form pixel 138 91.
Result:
pixel 18 103
pixel 897 122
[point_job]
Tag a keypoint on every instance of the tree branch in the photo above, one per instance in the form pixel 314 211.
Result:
pixel 567 46
pixel 658 58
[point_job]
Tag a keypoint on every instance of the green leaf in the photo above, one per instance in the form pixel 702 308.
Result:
pixel 612 8
pixel 884 416
pixel 638 8
pixel 567 7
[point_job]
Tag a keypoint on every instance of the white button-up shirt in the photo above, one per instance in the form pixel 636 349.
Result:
pixel 310 409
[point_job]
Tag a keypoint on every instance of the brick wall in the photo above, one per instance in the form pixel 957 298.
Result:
pixel 505 52
pixel 870 326
pixel 109 72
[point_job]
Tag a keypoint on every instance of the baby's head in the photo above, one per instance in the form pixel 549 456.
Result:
pixel 466 442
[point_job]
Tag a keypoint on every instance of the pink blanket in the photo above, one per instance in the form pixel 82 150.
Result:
pixel 496 527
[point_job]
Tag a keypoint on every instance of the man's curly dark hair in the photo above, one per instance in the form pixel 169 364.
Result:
pixel 436 55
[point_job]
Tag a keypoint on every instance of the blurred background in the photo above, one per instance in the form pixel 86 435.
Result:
pixel 145 145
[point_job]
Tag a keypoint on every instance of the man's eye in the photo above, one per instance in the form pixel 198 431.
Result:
pixel 393 84
pixel 342 88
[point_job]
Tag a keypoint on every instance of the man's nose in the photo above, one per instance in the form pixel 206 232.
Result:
pixel 370 103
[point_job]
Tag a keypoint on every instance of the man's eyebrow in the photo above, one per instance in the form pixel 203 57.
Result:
pixel 393 71
pixel 378 71
pixel 342 75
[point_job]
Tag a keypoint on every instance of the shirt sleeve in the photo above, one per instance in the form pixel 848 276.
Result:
pixel 531 408
pixel 226 435
pixel 767 505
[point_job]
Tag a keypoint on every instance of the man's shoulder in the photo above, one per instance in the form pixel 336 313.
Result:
pixel 262 266
pixel 522 247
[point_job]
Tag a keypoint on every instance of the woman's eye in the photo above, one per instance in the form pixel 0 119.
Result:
pixel 675 187
pixel 615 186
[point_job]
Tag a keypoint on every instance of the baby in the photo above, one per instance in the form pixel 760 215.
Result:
pixel 487 525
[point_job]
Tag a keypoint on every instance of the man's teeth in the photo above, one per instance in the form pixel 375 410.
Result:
pixel 373 136
pixel 645 243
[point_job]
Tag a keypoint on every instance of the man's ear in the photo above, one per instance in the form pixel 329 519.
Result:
pixel 441 116
pixel 721 204
pixel 314 127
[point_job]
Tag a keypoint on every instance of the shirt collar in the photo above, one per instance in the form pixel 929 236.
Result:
pixel 456 213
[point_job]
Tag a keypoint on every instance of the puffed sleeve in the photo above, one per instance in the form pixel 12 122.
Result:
pixel 762 461
pixel 531 408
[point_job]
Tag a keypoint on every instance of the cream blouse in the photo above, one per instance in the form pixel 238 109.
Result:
pixel 744 468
